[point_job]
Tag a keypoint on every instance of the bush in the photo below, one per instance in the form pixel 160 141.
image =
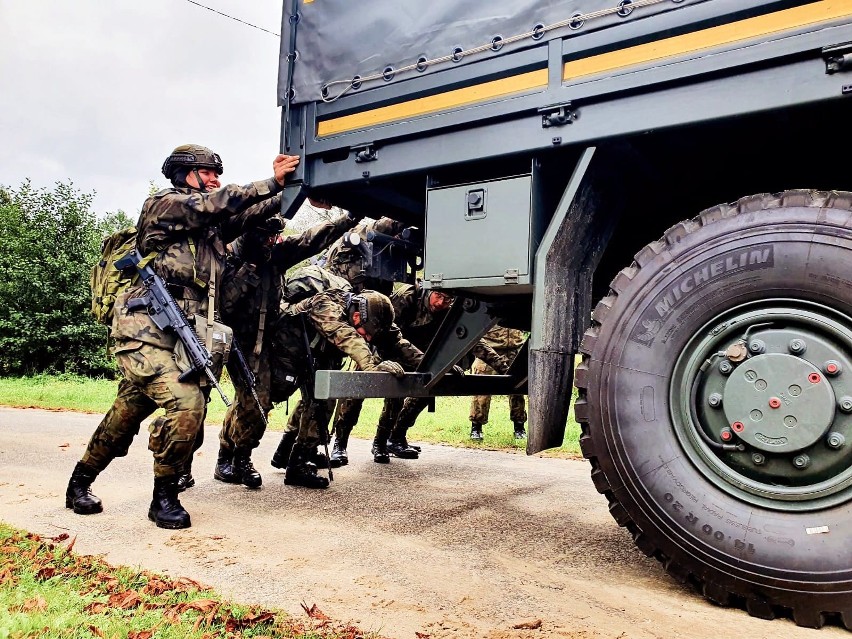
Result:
pixel 49 241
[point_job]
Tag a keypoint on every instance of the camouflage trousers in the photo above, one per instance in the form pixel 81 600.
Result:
pixel 480 405
pixel 151 382
pixel 290 370
pixel 398 415
pixel 243 426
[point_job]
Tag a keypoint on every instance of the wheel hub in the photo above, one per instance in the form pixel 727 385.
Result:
pixel 784 403
pixel 761 401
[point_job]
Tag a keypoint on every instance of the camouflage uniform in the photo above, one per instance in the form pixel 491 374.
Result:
pixel 251 301
pixel 419 324
pixel 326 316
pixel 507 342
pixel 345 261
pixel 188 230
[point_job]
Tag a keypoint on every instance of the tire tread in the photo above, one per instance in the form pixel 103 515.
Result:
pixel 722 594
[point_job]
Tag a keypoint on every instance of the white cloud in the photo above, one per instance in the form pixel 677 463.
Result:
pixel 99 92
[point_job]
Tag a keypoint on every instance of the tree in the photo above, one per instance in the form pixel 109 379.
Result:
pixel 49 241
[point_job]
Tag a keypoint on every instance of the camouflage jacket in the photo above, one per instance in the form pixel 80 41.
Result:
pixel 251 294
pixel 346 261
pixel 188 230
pixel 419 324
pixel 328 313
pixel 505 340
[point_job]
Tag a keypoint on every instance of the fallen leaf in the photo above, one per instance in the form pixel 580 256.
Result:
pixel 96 631
pixel 184 584
pixel 141 634
pixel 96 608
pixel 421 635
pixel 71 545
pixel 61 537
pixel 45 573
pixel 156 587
pixel 201 605
pixel 529 624
pixel 313 612
pixel 65 445
pixel 38 604
pixel 125 600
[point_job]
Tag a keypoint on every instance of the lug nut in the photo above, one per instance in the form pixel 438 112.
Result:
pixel 814 378
pixel 801 461
pixel 756 346
pixel 832 368
pixel 726 435
pixel 758 459
pixel 725 367
pixel 796 346
pixel 715 400
pixel 835 440
pixel 845 404
pixel 774 402
pixel 738 427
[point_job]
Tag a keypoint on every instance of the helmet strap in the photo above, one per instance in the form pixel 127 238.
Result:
pixel 201 185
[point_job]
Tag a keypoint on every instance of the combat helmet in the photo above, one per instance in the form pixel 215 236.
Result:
pixel 190 157
pixel 376 310
pixel 254 246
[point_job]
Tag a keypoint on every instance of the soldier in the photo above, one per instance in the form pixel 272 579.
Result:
pixel 418 314
pixel 183 231
pixel 507 342
pixel 346 261
pixel 252 293
pixel 346 324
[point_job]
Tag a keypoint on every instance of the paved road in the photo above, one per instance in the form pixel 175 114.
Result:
pixel 461 543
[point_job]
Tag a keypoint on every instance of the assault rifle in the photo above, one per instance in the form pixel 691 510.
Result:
pixel 239 369
pixel 168 316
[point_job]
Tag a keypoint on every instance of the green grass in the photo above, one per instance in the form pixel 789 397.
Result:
pixel 48 591
pixel 449 423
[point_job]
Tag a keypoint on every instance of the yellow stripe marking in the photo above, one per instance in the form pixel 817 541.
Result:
pixel 708 38
pixel 434 103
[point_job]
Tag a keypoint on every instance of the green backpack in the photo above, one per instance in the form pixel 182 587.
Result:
pixel 106 281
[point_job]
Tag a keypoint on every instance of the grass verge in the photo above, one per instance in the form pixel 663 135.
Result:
pixel 48 591
pixel 447 425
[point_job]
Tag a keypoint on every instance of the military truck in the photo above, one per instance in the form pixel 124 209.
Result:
pixel 566 161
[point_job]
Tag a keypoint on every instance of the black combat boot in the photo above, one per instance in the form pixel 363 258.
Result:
pixel 166 511
pixel 341 441
pixel 319 460
pixel 225 470
pixel 185 479
pixel 380 450
pixel 285 446
pixel 245 470
pixel 476 431
pixel 300 472
pixel 520 432
pixel 79 494
pixel 398 447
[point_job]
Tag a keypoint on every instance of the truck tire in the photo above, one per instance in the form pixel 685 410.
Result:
pixel 733 330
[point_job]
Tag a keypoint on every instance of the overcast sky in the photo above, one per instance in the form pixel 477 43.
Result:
pixel 100 91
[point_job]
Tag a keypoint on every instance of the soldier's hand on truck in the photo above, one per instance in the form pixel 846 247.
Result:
pixel 393 368
pixel 283 165
pixel 457 370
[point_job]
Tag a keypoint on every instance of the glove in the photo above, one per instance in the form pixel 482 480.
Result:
pixel 393 368
pixel 457 370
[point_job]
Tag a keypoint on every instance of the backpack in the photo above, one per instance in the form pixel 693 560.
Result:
pixel 309 280
pixel 106 281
